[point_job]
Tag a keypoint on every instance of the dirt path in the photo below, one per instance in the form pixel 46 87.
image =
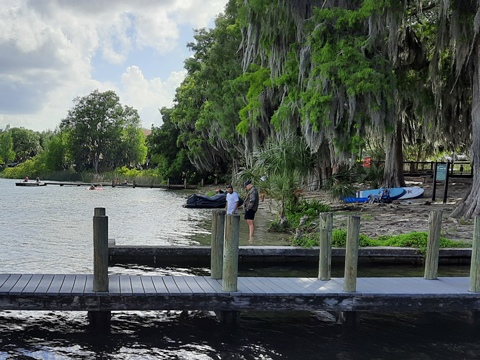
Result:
pixel 402 217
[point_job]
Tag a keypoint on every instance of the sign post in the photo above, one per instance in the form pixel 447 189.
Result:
pixel 441 174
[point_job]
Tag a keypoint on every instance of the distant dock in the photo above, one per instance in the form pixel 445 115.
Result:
pixel 107 184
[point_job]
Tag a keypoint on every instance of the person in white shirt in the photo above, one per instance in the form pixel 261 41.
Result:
pixel 232 201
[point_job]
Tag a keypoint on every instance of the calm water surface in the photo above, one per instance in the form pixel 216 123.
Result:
pixel 49 230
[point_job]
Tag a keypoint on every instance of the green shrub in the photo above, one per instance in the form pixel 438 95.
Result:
pixel 411 240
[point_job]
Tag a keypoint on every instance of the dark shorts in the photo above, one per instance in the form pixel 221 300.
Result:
pixel 250 214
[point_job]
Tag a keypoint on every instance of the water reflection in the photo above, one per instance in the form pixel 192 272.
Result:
pixel 198 335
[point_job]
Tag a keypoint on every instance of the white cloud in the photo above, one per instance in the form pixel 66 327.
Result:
pixel 148 95
pixel 48 51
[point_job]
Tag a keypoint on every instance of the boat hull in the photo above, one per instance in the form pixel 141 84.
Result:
pixel 28 183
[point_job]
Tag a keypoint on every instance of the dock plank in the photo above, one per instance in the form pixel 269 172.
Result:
pixel 20 284
pixel 79 285
pixel 148 286
pixel 268 285
pixel 125 286
pixel 205 285
pixel 137 285
pixel 182 285
pixel 32 284
pixel 216 284
pixel 56 284
pixel 193 285
pixel 253 286
pixel 290 285
pixel 171 285
pixel 89 284
pixel 159 284
pixel 113 284
pixel 68 283
pixel 44 284
pixel 9 283
pixel 3 278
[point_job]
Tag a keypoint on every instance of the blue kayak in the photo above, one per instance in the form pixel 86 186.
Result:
pixel 353 199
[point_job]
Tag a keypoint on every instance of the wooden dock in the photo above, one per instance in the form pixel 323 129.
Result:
pixel 135 292
pixel 227 294
pixel 129 185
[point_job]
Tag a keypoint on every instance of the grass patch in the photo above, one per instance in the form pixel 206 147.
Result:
pixel 411 240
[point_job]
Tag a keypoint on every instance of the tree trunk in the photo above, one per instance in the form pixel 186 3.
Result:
pixel 393 172
pixel 470 205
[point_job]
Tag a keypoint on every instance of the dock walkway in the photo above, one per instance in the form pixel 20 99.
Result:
pixel 134 292
pixel 129 185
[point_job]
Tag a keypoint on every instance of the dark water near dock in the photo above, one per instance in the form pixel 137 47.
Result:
pixel 49 229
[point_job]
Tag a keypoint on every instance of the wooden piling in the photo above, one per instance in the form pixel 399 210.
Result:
pixel 100 320
pixel 351 253
pixel 433 244
pixel 100 250
pixel 230 253
pixel 325 256
pixel 218 234
pixel 474 263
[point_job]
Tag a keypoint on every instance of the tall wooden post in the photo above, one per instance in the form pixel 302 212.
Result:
pixel 100 250
pixel 325 256
pixel 218 234
pixel 100 319
pixel 433 245
pixel 474 263
pixel 230 253
pixel 351 253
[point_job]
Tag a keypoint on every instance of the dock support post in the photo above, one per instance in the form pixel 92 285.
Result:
pixel 433 245
pixel 230 253
pixel 351 253
pixel 325 256
pixel 100 265
pixel 216 256
pixel 230 266
pixel 350 318
pixel 474 263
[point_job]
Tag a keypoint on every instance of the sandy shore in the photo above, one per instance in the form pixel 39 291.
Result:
pixel 405 216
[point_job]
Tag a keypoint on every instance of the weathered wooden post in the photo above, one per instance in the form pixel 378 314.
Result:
pixel 100 265
pixel 433 245
pixel 325 255
pixel 474 263
pixel 350 318
pixel 218 234
pixel 230 266
pixel 351 253
pixel 230 253
pixel 100 250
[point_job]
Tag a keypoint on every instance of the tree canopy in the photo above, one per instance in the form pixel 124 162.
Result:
pixel 99 129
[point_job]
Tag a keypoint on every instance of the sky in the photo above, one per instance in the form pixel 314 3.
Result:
pixel 52 51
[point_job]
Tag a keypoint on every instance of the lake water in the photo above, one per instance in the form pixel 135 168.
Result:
pixel 49 230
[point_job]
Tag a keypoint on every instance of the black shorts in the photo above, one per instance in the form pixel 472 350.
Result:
pixel 250 214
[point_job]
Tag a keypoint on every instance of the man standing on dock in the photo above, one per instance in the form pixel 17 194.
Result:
pixel 232 201
pixel 251 207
